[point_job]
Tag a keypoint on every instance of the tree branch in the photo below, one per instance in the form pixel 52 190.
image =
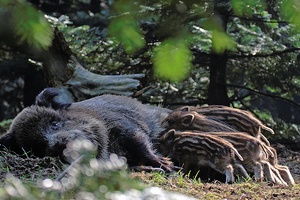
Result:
pixel 275 53
pixel 265 94
pixel 261 20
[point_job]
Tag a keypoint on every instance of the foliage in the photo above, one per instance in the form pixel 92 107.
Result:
pixel 265 73
pixel 90 178
pixel 131 37
pixel 97 179
pixel 29 24
pixel 247 7
pixel 256 34
pixel 175 54
pixel 27 168
pixel 290 10
pixel 253 38
pixel 254 64
pixel 4 125
pixel 183 14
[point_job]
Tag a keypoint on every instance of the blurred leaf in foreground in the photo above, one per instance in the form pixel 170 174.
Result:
pixel 290 11
pixel 4 2
pixel 124 27
pixel 126 30
pixel 31 25
pixel 220 40
pixel 172 60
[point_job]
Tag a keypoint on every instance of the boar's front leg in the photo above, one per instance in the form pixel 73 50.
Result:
pixel 139 151
pixel 142 150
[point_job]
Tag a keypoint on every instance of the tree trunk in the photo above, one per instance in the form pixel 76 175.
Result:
pixel 55 61
pixel 217 90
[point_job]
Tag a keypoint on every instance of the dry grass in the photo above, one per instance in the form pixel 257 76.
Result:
pixel 30 169
pixel 217 190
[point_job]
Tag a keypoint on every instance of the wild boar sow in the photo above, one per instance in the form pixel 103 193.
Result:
pixel 45 132
pixel 115 124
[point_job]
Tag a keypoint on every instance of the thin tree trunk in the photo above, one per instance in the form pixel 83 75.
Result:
pixel 217 90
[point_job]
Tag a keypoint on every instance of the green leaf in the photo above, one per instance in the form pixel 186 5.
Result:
pixel 31 26
pixel 172 60
pixel 290 11
pixel 5 2
pixel 222 42
pixel 247 7
pixel 123 6
pixel 273 24
pixel 126 31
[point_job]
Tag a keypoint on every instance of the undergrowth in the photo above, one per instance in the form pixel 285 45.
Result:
pixel 42 178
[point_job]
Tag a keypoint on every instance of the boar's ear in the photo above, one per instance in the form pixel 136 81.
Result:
pixel 187 119
pixel 56 98
pixel 8 142
pixel 185 109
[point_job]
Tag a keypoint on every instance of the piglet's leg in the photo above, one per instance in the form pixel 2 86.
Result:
pixel 278 179
pixel 278 176
pixel 240 170
pixel 285 174
pixel 267 171
pixel 229 174
pixel 270 175
pixel 258 172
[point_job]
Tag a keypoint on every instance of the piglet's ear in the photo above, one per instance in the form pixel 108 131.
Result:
pixel 170 135
pixel 185 109
pixel 187 119
pixel 8 142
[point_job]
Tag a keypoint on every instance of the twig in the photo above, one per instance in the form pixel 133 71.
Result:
pixel 61 175
pixel 249 109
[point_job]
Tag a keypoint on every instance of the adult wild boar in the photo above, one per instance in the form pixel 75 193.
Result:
pixel 115 124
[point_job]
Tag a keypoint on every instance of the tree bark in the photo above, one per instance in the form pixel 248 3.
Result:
pixel 217 90
pixel 55 61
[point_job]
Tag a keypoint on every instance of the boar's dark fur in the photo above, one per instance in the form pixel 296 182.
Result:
pixel 46 132
pixel 54 98
pixel 115 124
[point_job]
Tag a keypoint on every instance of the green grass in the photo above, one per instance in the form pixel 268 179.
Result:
pixel 240 190
pixel 34 178
pixel 97 179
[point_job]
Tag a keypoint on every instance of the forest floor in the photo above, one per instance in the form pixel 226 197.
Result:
pixel 30 169
pixel 241 190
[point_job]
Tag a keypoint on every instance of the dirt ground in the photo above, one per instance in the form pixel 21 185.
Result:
pixel 30 169
pixel 243 190
pixel 289 157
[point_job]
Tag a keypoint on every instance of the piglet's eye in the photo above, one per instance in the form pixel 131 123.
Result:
pixel 171 121
pixel 55 125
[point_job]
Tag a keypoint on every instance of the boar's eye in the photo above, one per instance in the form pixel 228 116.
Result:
pixel 55 125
